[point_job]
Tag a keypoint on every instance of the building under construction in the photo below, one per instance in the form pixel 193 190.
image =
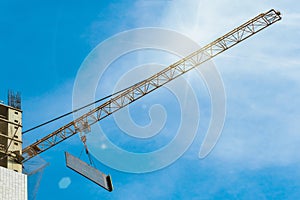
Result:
pixel 13 184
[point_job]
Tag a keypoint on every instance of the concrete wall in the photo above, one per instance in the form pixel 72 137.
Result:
pixel 13 185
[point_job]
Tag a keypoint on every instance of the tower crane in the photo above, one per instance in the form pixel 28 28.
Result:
pixel 84 122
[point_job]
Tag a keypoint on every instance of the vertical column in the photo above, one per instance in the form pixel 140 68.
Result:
pixel 3 134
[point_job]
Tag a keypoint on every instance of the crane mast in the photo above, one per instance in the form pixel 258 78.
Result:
pixel 83 123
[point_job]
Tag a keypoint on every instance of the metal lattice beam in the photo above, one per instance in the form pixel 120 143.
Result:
pixel 83 123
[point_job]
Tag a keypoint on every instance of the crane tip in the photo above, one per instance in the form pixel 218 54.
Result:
pixel 278 12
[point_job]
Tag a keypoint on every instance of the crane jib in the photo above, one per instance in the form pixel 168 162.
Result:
pixel 83 123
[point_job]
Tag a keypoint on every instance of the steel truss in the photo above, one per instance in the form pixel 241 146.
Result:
pixel 83 123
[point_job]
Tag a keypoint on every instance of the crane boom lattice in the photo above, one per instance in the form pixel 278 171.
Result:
pixel 130 95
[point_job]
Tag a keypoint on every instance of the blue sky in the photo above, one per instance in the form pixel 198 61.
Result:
pixel 44 43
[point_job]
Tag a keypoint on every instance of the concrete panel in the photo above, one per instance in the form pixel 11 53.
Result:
pixel 89 172
pixel 13 185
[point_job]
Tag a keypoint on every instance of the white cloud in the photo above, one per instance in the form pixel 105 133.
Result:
pixel 262 119
pixel 261 129
pixel 206 20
